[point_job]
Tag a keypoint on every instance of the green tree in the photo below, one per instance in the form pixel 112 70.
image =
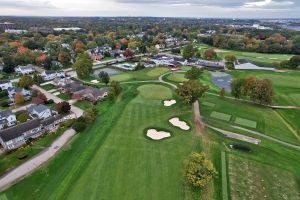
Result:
pixel 191 90
pixel 115 89
pixel 230 58
pixel 188 51
pixel 237 87
pixel 37 79
pixel 194 73
pixel 104 77
pixel 294 62
pixel 199 171
pixel 83 65
pixel 25 82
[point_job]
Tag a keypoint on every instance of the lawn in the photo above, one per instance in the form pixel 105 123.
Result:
pixel 84 105
pixel 245 122
pixel 114 160
pixel 9 161
pixel 253 180
pixel 141 75
pixel 156 92
pixel 64 96
pixel 48 87
pixel 221 116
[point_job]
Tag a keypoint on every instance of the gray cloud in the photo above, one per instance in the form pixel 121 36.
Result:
pixel 220 3
pixel 27 4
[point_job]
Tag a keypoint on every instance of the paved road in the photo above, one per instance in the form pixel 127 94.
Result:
pixel 31 165
pixel 77 111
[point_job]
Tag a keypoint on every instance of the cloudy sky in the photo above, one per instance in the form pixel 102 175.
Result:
pixel 167 8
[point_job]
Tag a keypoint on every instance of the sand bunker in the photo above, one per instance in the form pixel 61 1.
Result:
pixel 157 135
pixel 169 103
pixel 94 81
pixel 181 124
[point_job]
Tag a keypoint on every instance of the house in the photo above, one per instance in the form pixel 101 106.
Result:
pixel 72 87
pixel 52 123
pixel 50 75
pixel 162 60
pixel 91 94
pixel 40 111
pixel 12 91
pixel 17 136
pixel 17 32
pixel 242 64
pixel 24 70
pixel 5 84
pixel 60 82
pixel 7 118
pixel 148 63
pixel 208 63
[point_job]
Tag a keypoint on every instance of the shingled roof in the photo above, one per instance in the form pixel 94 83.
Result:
pixel 17 131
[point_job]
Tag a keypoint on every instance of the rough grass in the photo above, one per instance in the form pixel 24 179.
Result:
pixel 221 116
pixel 253 180
pixel 209 104
pixel 245 122
pixel 155 92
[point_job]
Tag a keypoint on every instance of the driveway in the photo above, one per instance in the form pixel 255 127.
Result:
pixel 31 165
pixel 77 111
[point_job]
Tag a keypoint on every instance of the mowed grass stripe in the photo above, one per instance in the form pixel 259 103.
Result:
pixel 221 116
pixel 224 176
pixel 245 122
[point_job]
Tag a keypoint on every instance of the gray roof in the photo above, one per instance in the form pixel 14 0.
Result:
pixel 51 120
pixel 4 81
pixel 5 113
pixel 17 131
pixel 38 108
pixel 74 87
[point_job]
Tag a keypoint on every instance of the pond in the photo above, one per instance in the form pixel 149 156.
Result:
pixel 221 80
pixel 110 71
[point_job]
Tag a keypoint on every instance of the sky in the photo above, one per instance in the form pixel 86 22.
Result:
pixel 157 8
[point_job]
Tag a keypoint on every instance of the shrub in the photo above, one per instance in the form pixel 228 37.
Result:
pixel 241 147
pixel 79 125
pixel 22 155
pixel 3 93
pixel 23 117
pixel 50 101
pixel 4 103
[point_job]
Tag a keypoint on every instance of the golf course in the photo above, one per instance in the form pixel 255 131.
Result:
pixel 115 157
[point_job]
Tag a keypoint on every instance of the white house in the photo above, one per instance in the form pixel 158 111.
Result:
pixel 13 91
pixel 7 118
pixel 5 84
pixel 40 111
pixel 24 70
pixel 17 32
pixel 50 75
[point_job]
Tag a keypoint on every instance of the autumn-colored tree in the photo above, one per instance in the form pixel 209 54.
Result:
pixel 210 54
pixel 191 90
pixel 199 171
pixel 63 107
pixel 40 98
pixel 128 53
pixel 22 50
pixel 25 81
pixel 79 47
pixel 64 58
pixel 19 98
pixel 222 92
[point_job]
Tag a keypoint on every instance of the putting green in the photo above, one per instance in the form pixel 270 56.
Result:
pixel 221 116
pixel 155 92
pixel 245 122
pixel 120 77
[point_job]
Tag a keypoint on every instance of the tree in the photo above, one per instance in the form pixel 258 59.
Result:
pixel 237 87
pixel 139 66
pixel 194 73
pixel 91 44
pixel 83 65
pixel 198 54
pixel 188 51
pixel 191 90
pixel 63 107
pixel 230 58
pixel 25 81
pixel 104 77
pixel 152 50
pixel 210 54
pixel 40 98
pixel 128 53
pixel 19 98
pixel 222 92
pixel 262 92
pixel 79 124
pixel 199 171
pixel 90 115
pixel 294 62
pixel 64 58
pixel 115 89
pixel 37 79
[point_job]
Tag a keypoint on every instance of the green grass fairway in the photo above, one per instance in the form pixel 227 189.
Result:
pixel 221 116
pixel 177 77
pixel 155 92
pixel 114 160
pixel 245 122
pixel 140 75
pixel 253 180
pixel 155 72
pixel 121 77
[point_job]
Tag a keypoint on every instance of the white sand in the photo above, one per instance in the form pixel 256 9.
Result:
pixel 157 135
pixel 94 81
pixel 181 124
pixel 169 103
